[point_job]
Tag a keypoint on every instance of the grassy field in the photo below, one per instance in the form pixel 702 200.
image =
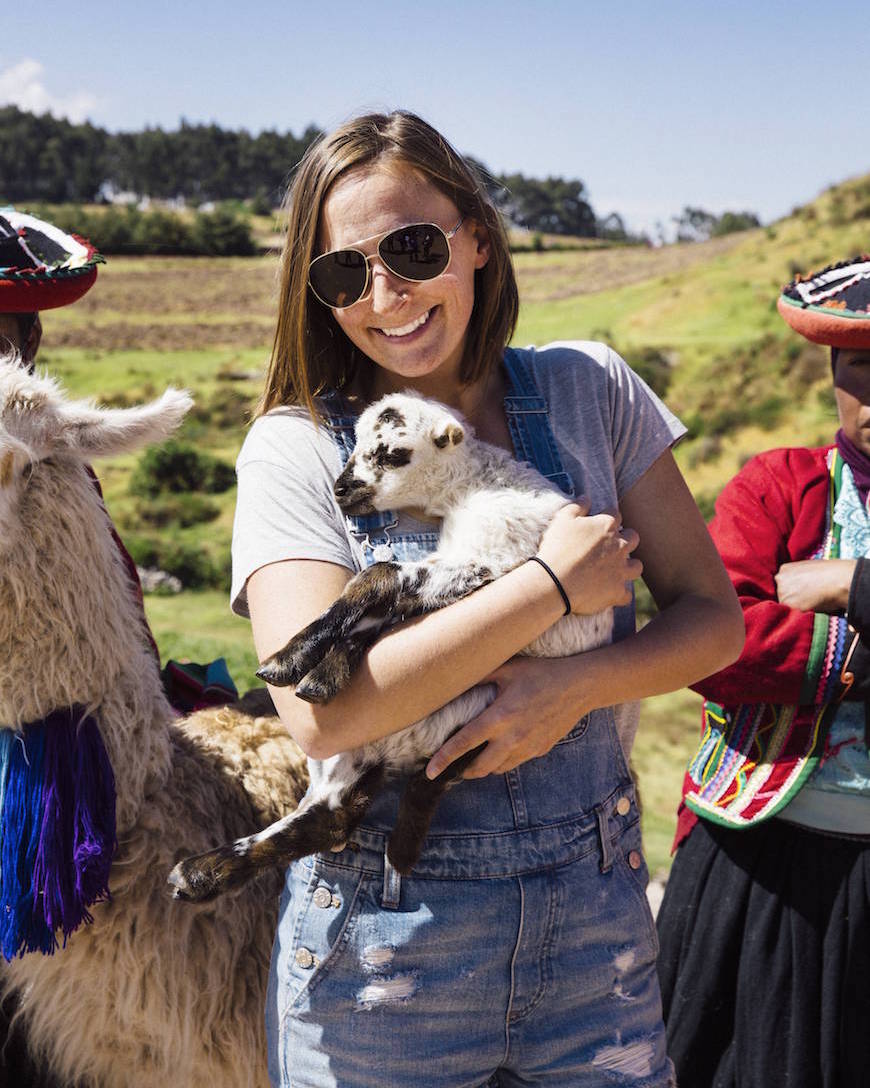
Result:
pixel 731 370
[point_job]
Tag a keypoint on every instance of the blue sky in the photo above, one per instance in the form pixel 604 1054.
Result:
pixel 734 105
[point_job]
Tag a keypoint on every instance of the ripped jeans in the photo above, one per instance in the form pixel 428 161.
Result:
pixel 520 951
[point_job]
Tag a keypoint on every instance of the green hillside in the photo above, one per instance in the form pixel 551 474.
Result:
pixel 698 320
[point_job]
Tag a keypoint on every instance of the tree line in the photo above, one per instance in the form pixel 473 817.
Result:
pixel 51 160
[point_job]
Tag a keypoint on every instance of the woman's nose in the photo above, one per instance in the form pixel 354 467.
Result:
pixel 388 290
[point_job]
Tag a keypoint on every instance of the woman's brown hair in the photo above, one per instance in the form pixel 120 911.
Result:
pixel 310 353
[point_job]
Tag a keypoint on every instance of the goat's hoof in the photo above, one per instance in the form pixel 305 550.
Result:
pixel 318 687
pixel 283 669
pixel 202 878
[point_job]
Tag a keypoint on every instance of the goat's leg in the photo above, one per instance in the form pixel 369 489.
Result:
pixel 417 807
pixel 333 672
pixel 410 589
pixel 368 602
pixel 320 823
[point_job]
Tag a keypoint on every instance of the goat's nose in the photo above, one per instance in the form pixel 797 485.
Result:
pixel 345 482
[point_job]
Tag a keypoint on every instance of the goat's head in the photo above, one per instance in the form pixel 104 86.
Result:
pixel 38 426
pixel 407 449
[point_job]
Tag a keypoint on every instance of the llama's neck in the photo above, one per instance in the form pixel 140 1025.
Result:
pixel 73 633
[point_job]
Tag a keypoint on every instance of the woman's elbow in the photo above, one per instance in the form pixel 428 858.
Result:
pixel 731 630
pixel 312 735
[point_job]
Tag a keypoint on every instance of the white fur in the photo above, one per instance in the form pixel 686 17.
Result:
pixel 494 511
pixel 153 992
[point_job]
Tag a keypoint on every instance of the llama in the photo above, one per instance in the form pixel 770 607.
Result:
pixel 147 994
pixel 409 452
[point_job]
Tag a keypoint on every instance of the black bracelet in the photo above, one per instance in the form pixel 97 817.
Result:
pixel 559 586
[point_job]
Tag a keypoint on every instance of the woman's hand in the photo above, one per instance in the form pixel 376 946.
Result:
pixel 815 585
pixel 513 732
pixel 591 556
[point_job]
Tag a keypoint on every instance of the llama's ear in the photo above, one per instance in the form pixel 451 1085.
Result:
pixel 89 431
pixel 448 432
pixel 14 455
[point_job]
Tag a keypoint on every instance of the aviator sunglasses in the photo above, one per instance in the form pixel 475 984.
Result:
pixel 420 251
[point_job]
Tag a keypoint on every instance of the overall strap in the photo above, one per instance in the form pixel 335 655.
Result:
pixel 528 421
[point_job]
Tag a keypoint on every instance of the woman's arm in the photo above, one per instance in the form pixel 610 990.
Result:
pixel 698 630
pixel 421 665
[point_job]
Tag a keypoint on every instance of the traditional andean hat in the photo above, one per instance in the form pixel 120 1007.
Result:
pixel 41 266
pixel 832 306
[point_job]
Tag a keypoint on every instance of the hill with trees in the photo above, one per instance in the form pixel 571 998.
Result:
pixel 49 160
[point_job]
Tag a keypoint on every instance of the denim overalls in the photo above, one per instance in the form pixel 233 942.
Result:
pixel 520 951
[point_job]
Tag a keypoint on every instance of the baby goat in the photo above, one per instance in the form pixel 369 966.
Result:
pixel 410 452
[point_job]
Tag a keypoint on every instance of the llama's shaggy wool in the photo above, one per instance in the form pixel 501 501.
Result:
pixel 152 992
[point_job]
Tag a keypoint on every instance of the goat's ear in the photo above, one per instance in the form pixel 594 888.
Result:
pixel 89 431
pixel 448 432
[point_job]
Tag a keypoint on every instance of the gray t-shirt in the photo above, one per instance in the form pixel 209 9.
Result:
pixel 608 425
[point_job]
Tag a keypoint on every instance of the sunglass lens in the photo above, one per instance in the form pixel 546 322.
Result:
pixel 339 278
pixel 418 252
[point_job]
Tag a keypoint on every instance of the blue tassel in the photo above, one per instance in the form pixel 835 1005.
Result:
pixel 21 928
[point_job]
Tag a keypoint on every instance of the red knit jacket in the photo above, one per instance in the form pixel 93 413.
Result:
pixel 764 736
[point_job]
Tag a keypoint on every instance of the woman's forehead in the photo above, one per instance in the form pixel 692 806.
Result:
pixel 369 201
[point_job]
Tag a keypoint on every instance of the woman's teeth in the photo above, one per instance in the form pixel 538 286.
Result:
pixel 403 330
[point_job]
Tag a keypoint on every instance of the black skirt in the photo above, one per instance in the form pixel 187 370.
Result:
pixel 765 959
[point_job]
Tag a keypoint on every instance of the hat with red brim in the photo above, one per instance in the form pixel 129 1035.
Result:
pixel 41 266
pixel 832 306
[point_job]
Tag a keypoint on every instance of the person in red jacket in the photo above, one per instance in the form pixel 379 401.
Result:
pixel 765 923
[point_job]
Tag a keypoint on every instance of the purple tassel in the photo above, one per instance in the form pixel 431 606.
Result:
pixel 61 851
pixel 95 841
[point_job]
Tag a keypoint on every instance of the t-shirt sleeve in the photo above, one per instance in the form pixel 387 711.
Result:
pixel 284 507
pixel 596 399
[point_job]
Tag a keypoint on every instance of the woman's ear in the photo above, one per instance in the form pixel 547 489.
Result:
pixel 481 238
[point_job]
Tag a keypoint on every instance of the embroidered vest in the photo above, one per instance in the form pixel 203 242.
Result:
pixel 753 758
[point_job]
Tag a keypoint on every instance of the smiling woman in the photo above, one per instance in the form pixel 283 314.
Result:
pixel 396 275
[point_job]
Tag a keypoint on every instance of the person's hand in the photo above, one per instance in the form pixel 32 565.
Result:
pixel 815 585
pixel 591 556
pixel 531 712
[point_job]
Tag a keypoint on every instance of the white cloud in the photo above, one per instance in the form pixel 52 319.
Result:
pixel 22 85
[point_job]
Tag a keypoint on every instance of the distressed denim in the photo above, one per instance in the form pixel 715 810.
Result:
pixel 520 951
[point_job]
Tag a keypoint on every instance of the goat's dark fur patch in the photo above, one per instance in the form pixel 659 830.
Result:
pixel 383 457
pixel 392 415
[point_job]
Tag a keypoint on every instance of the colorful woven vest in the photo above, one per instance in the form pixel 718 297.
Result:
pixel 753 758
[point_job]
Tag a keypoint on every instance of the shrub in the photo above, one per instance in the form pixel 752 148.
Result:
pixel 184 510
pixel 194 567
pixel 190 563
pixel 176 467
pixel 222 233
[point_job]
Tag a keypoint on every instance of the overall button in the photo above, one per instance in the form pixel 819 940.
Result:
pixel 304 958
pixel 322 897
pixel 635 860
pixel 623 806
